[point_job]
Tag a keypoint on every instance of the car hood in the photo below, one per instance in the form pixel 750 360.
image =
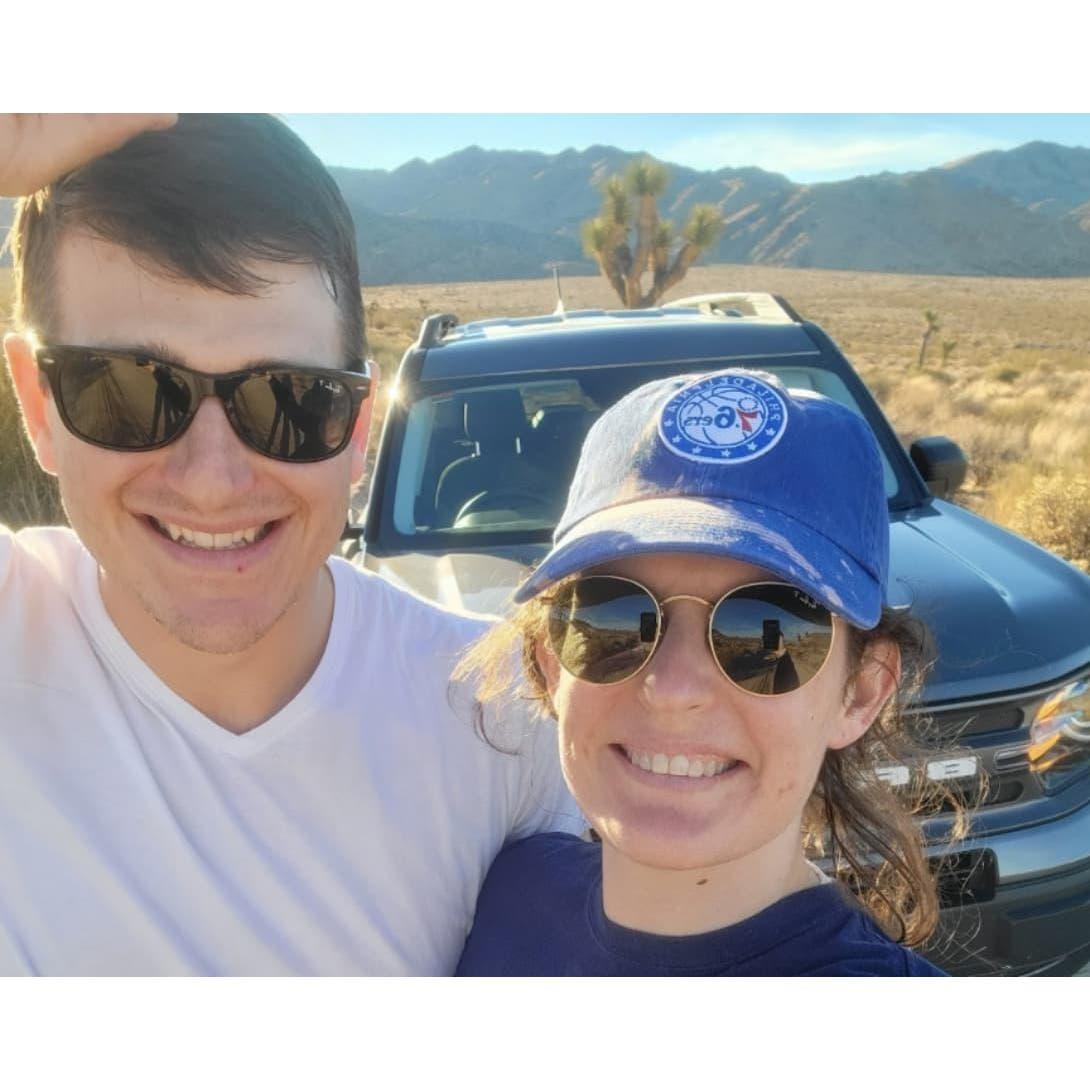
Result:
pixel 481 582
pixel 1005 614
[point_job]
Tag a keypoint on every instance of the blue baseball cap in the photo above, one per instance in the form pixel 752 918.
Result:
pixel 732 464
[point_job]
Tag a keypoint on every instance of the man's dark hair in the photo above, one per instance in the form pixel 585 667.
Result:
pixel 202 201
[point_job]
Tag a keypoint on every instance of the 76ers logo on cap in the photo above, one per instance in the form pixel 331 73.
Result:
pixel 726 418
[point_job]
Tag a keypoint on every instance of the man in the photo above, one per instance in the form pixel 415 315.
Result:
pixel 221 751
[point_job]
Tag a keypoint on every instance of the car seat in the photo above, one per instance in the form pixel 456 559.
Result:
pixel 494 422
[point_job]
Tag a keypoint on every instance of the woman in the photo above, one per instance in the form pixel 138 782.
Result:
pixel 708 631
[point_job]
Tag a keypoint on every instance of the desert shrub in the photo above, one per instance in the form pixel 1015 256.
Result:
pixel 990 447
pixel 1055 513
pixel 944 377
pixel 912 404
pixel 880 383
pixel 1019 408
pixel 972 403
pixel 1058 441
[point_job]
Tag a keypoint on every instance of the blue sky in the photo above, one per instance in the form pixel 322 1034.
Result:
pixel 805 147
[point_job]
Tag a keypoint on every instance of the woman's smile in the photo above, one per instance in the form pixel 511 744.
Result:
pixel 678 765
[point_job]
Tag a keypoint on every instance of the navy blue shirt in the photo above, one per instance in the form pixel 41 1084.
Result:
pixel 540 914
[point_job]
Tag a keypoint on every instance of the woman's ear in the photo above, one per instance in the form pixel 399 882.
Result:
pixel 549 666
pixel 875 681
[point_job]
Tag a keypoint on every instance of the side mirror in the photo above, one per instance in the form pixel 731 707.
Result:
pixel 941 462
pixel 351 543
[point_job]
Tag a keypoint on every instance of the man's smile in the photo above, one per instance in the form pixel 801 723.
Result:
pixel 229 550
pixel 220 539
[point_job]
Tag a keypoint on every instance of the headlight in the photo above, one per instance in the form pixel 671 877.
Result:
pixel 1059 749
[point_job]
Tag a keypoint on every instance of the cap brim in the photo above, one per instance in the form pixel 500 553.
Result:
pixel 758 535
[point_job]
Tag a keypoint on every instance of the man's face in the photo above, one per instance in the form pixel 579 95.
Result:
pixel 220 599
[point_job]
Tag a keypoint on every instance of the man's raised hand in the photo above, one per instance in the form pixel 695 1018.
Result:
pixel 36 149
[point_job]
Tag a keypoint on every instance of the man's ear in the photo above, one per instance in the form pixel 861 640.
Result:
pixel 358 442
pixel 875 681
pixel 34 397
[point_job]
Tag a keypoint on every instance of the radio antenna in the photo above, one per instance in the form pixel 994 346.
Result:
pixel 555 266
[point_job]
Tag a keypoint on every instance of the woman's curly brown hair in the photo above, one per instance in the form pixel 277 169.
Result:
pixel 865 831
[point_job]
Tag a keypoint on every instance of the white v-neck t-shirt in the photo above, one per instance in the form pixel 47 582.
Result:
pixel 348 834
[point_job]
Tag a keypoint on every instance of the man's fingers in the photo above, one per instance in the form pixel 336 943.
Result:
pixel 35 149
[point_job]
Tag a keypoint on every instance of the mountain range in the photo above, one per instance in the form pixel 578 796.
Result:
pixel 490 215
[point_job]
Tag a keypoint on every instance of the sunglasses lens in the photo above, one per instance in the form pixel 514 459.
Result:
pixel 771 638
pixel 123 402
pixel 602 628
pixel 293 415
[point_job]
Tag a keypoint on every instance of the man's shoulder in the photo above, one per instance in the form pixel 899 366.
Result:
pixel 429 621
pixel 40 579
pixel 37 555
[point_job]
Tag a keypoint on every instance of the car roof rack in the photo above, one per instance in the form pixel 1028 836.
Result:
pixel 434 328
pixel 761 305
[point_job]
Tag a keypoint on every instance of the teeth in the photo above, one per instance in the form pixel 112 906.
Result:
pixel 678 765
pixel 200 540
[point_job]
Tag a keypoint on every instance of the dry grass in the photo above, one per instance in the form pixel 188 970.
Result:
pixel 1014 391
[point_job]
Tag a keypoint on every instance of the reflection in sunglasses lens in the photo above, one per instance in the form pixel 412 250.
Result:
pixel 123 402
pixel 767 638
pixel 133 403
pixel 771 639
pixel 293 415
pixel 602 629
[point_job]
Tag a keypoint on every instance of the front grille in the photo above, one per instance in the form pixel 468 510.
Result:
pixel 982 731
pixel 965 878
pixel 982 719
pixel 999 790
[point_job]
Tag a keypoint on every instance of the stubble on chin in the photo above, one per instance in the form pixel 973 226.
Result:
pixel 229 638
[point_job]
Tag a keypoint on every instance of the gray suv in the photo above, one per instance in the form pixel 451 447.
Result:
pixel 472 472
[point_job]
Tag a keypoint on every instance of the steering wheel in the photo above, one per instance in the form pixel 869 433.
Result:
pixel 515 498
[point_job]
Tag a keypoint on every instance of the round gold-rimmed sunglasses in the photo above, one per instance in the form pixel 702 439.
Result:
pixel 767 638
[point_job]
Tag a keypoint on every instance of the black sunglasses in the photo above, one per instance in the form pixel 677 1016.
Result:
pixel 130 401
pixel 766 638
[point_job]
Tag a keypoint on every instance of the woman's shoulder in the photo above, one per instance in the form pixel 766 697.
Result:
pixel 846 941
pixel 531 913
pixel 550 860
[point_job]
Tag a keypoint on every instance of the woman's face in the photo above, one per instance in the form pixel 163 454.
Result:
pixel 681 705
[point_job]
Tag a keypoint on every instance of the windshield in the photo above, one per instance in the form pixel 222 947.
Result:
pixel 497 457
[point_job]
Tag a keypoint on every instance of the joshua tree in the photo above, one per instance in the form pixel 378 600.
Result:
pixel 631 203
pixel 933 326
pixel 948 350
